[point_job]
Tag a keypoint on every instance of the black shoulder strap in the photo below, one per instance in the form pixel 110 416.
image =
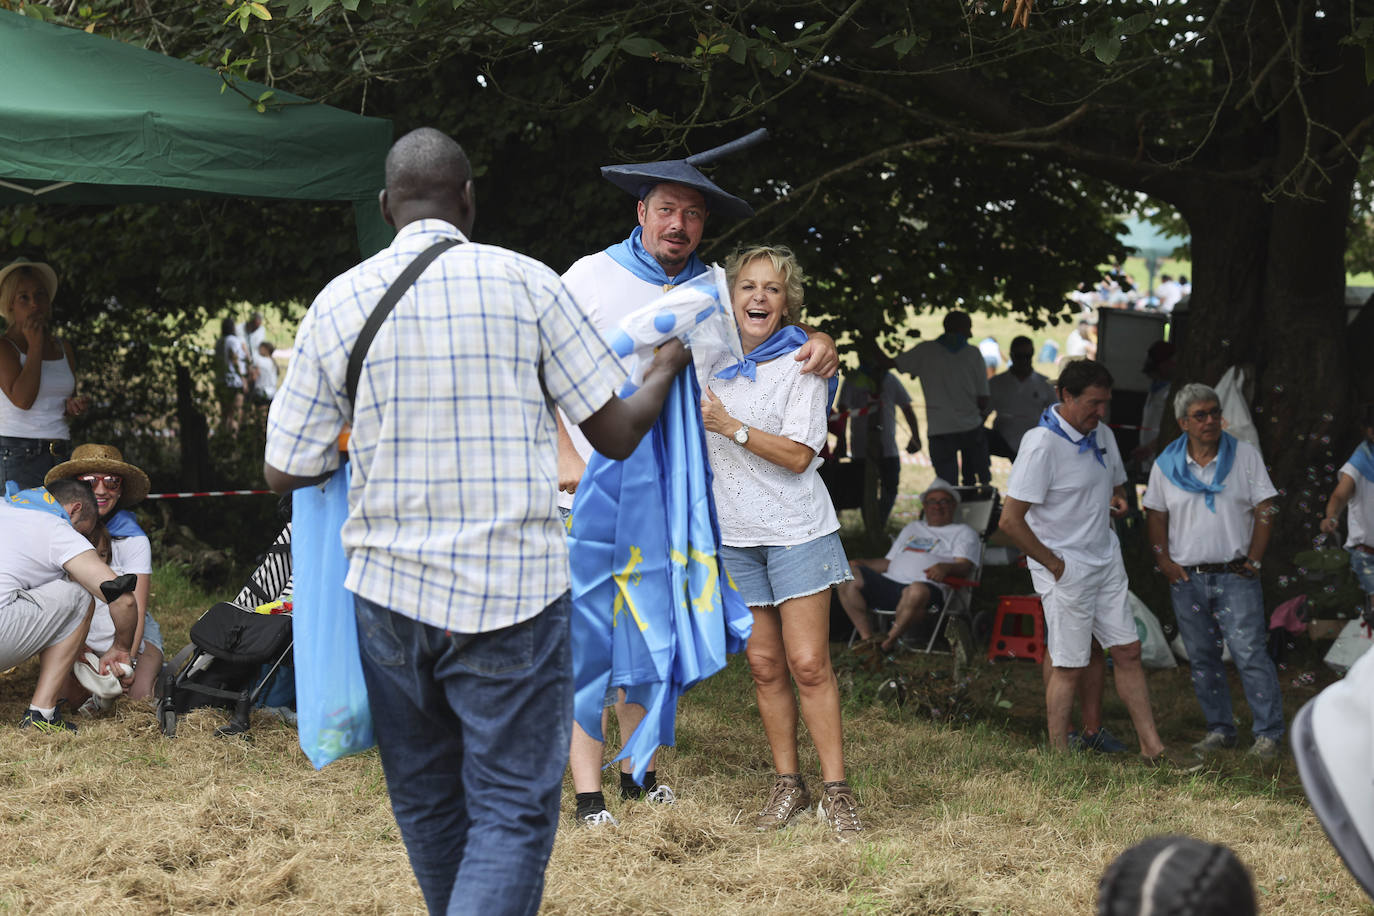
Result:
pixel 383 309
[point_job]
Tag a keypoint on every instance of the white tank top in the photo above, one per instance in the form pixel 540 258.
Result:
pixel 46 418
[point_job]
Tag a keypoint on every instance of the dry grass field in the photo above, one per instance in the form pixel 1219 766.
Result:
pixel 967 813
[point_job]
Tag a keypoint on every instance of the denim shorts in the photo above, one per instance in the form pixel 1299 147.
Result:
pixel 1362 565
pixel 768 576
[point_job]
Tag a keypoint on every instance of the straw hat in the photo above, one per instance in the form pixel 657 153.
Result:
pixel 103 459
pixel 47 273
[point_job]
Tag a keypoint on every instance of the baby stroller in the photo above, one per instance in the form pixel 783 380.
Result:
pixel 235 653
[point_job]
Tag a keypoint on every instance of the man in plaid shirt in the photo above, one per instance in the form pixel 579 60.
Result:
pixel 457 557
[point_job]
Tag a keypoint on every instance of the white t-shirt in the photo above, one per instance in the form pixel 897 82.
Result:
pixel 1075 344
pixel 607 293
pixel 758 502
pixel 856 396
pixel 1360 520
pixel 1197 534
pixel 952 383
pixel 233 358
pixel 1070 492
pixel 1019 403
pixel 127 555
pixel 266 384
pixel 992 353
pixel 33 548
pixel 920 546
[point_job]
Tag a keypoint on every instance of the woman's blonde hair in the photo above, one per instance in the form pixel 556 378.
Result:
pixel 784 262
pixel 8 289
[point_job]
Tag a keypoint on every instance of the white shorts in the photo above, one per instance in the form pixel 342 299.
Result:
pixel 40 617
pixel 1088 600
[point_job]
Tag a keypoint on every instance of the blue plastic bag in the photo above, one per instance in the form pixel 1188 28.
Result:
pixel 334 719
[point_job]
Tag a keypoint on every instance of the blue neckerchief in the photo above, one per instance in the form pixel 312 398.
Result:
pixel 634 257
pixel 1049 420
pixel 123 525
pixel 34 498
pixel 1363 459
pixel 1173 462
pixel 783 340
pixel 952 342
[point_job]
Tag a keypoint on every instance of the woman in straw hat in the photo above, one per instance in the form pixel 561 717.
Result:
pixel 37 376
pixel 119 485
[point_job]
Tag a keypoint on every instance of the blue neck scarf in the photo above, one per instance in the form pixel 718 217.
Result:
pixel 952 342
pixel 1087 444
pixel 1363 459
pixel 123 525
pixel 784 340
pixel 634 257
pixel 1173 463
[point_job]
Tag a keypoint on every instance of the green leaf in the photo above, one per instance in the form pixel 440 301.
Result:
pixel 294 7
pixel 318 6
pixel 640 46
pixel 1107 48
pixel 349 5
pixel 257 9
pixel 766 32
pixel 739 49
pixel 1004 704
pixel 17 238
pixel 508 26
pixel 1137 23
pixel 595 58
pixel 886 40
pixel 904 44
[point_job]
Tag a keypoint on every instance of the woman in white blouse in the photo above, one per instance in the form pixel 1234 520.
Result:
pixel 766 422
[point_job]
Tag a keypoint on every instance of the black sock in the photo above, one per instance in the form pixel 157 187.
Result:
pixel 590 803
pixel 629 789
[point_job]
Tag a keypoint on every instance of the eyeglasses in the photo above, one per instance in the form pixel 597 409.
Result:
pixel 939 502
pixel 111 481
pixel 1200 415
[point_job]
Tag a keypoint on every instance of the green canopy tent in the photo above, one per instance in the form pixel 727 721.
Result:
pixel 85 119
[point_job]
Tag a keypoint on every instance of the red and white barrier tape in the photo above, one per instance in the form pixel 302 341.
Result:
pixel 208 493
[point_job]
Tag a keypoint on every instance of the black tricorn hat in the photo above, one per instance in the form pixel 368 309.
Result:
pixel 638 178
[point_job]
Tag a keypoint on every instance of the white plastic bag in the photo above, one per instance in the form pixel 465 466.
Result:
pixel 1154 648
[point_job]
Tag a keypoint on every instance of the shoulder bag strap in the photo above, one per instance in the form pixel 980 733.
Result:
pixel 384 307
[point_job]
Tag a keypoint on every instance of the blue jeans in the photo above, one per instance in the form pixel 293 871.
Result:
pixel 25 461
pixel 1210 606
pixel 944 455
pixel 473 730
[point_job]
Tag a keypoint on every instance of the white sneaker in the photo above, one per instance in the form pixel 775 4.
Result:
pixel 106 686
pixel 95 706
pixel 661 795
pixel 602 818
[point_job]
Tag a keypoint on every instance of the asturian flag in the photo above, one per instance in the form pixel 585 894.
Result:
pixel 653 612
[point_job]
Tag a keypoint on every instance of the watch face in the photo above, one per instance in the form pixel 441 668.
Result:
pixel 742 435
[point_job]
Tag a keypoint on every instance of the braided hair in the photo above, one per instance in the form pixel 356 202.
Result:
pixel 1176 876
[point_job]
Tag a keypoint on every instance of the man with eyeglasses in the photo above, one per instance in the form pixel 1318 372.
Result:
pixel 910 579
pixel 1210 509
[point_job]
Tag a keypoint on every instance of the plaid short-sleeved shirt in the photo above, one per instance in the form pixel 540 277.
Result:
pixel 453 518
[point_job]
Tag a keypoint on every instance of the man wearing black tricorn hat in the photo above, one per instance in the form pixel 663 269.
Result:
pixel 675 199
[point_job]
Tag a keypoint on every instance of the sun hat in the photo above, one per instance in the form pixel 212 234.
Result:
pixel 940 484
pixel 93 458
pixel 639 177
pixel 47 273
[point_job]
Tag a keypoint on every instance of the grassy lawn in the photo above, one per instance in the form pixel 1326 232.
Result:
pixel 967 812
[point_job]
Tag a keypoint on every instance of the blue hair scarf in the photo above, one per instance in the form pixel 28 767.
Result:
pixel 1173 463
pixel 1088 443
pixel 634 257
pixel 1363 460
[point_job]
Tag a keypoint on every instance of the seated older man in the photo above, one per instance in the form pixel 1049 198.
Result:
pixel 45 614
pixel 1211 505
pixel 911 579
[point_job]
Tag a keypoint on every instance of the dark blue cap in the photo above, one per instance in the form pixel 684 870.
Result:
pixel 639 178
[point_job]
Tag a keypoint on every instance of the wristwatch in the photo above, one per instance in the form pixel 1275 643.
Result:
pixel 742 435
pixel 1254 564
